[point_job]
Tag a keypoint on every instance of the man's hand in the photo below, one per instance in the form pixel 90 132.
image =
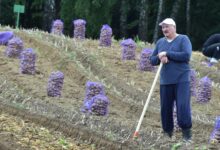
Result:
pixel 162 54
pixel 164 59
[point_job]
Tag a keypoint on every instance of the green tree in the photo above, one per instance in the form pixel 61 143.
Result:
pixel 96 13
pixel 205 19
pixel 159 16
pixel 67 13
pixel 49 14
pixel 143 20
pixel 124 9
pixel 6 9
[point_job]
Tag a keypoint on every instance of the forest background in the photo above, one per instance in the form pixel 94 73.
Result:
pixel 137 19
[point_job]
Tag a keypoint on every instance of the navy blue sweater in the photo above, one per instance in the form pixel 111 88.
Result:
pixel 178 52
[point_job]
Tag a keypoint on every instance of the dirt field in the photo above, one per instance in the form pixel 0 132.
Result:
pixel 125 86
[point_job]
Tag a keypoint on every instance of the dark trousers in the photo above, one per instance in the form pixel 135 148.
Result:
pixel 168 94
pixel 212 51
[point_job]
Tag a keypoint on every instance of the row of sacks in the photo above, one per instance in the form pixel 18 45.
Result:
pixel 128 45
pixel 80 29
pixel 15 47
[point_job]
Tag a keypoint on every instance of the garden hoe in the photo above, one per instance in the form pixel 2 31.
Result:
pixel 147 102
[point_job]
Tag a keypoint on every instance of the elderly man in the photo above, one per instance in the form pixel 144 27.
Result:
pixel 174 51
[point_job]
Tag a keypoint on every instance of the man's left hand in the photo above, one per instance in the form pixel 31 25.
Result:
pixel 164 59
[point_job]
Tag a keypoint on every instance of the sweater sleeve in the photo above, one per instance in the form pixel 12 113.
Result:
pixel 183 55
pixel 154 59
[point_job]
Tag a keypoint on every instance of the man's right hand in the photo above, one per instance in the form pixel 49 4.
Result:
pixel 162 54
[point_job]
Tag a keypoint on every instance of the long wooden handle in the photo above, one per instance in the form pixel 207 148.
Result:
pixel 147 101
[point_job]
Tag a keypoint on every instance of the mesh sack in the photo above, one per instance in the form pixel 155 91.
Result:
pixel 175 121
pixel 193 82
pixel 144 63
pixel 92 89
pixel 14 47
pixel 215 135
pixel 99 105
pixel 27 61
pixel 204 90
pixel 57 27
pixel 128 49
pixel 105 36
pixel 79 28
pixel 55 84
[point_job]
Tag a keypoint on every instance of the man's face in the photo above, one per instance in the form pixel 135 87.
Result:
pixel 168 30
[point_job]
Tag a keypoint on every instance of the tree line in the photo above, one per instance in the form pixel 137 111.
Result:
pixel 137 19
